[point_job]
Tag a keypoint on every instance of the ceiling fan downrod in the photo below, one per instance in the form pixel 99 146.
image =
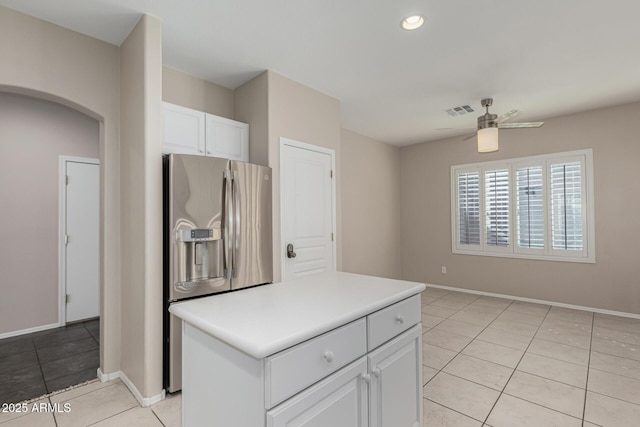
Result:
pixel 487 120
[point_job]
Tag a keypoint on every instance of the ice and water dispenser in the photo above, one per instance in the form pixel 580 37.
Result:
pixel 199 257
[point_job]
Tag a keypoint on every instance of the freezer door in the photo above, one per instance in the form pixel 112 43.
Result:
pixel 197 191
pixel 251 245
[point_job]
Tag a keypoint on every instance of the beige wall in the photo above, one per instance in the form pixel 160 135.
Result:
pixel 188 91
pixel 250 105
pixel 611 283
pixel 300 113
pixel 141 198
pixel 275 107
pixel 370 206
pixel 33 134
pixel 51 62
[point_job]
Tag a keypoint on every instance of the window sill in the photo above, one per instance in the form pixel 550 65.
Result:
pixel 583 260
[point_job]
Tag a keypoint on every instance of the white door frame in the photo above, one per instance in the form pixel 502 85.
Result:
pixel 62 214
pixel 332 153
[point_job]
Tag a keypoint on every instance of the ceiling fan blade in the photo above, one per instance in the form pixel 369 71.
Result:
pixel 508 115
pixel 520 125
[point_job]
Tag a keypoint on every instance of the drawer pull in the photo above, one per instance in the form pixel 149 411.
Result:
pixel 400 319
pixel 376 372
pixel 328 356
pixel 366 378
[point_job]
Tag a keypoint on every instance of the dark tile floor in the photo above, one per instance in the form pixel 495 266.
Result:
pixel 42 362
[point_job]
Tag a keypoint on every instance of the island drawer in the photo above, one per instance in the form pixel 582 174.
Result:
pixel 296 368
pixel 391 321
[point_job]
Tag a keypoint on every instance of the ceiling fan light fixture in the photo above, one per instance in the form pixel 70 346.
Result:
pixel 488 140
pixel 412 22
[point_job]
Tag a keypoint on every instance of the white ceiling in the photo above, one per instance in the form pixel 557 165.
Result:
pixel 544 57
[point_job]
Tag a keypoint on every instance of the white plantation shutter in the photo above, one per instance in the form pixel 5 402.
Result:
pixel 497 207
pixel 469 208
pixel 537 207
pixel 566 206
pixel 530 207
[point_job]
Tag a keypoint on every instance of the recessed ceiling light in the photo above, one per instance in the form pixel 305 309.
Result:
pixel 412 22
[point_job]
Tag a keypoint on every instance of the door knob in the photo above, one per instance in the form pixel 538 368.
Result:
pixel 290 252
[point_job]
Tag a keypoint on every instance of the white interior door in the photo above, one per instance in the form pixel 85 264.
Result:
pixel 82 230
pixel 307 210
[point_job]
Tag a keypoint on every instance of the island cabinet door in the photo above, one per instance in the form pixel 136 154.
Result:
pixel 396 387
pixel 340 400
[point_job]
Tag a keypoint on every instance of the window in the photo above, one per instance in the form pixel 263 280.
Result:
pixel 469 208
pixel 530 207
pixel 534 207
pixel 497 207
pixel 566 201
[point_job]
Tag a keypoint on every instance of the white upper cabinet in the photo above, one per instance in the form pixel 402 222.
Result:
pixel 183 130
pixel 227 138
pixel 188 131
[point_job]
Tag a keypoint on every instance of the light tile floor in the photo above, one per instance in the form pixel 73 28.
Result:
pixel 108 404
pixel 487 362
pixel 496 362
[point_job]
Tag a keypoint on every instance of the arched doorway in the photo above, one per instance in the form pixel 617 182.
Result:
pixel 38 352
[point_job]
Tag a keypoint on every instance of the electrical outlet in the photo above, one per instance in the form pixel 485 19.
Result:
pixel 444 269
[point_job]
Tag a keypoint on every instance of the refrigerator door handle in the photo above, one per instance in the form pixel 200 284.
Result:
pixel 228 215
pixel 236 225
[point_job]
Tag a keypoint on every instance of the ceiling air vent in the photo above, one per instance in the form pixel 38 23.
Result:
pixel 459 111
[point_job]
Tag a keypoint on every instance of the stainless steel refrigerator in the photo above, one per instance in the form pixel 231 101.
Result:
pixel 217 237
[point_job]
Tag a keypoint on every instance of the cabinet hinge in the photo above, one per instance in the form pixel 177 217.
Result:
pixel 66 179
pixel 66 298
pixel 66 239
pixel 332 237
pixel 331 173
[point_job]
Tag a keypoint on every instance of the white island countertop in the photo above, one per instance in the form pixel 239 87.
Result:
pixel 264 320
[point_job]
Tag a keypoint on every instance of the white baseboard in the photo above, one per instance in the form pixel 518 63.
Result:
pixel 107 377
pixel 143 401
pixel 537 301
pixel 29 330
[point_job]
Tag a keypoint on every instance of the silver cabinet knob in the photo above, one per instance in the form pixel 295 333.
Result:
pixel 376 372
pixel 400 318
pixel 328 356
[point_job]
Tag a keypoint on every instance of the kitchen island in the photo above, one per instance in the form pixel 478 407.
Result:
pixel 333 349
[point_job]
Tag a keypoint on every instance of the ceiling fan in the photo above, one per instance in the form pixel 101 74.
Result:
pixel 488 125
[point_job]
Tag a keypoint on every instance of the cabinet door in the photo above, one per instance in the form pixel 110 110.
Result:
pixel 227 138
pixel 339 400
pixel 183 130
pixel 396 381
